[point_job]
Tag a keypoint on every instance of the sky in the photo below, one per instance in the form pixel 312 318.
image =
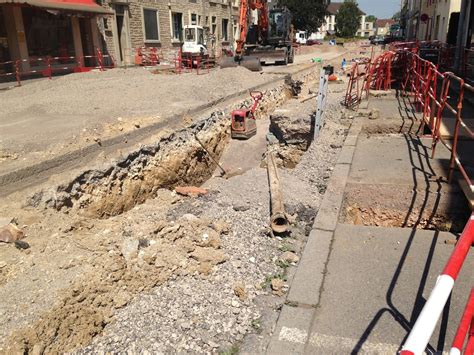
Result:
pixel 379 8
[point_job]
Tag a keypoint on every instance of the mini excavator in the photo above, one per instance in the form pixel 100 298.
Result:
pixel 269 41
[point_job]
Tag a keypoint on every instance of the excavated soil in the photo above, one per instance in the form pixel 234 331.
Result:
pixel 101 238
pixel 179 159
pixel 189 246
pixel 375 205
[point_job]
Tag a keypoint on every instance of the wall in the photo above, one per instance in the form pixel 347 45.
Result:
pixel 220 9
pixel 439 12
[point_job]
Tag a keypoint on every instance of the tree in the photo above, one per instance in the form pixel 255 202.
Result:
pixel 396 16
pixel 308 15
pixel 370 18
pixel 348 19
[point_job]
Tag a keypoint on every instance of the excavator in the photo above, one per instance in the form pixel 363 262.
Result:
pixel 269 41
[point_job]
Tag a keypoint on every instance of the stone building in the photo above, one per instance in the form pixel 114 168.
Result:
pixel 41 36
pixel 382 26
pixel 366 28
pixel 159 24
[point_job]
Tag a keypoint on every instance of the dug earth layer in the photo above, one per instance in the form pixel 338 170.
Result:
pixel 186 157
pixel 22 173
pixel 93 272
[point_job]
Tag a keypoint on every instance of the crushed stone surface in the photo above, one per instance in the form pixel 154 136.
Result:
pixel 204 315
pixel 201 301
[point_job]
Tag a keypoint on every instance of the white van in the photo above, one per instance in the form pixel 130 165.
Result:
pixel 301 37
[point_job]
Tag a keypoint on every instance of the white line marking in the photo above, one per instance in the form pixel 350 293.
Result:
pixel 342 345
pixel 293 335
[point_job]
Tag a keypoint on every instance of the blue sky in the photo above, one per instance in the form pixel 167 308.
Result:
pixel 379 8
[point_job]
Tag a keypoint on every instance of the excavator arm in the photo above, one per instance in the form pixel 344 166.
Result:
pixel 245 7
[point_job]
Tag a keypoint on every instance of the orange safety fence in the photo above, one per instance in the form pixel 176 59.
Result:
pixel 368 74
pixel 438 95
pixel 48 66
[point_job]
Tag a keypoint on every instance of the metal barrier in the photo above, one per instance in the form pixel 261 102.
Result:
pixel 322 97
pixel 368 74
pixel 466 327
pixel 421 332
pixel 357 84
pixel 433 95
pixel 48 66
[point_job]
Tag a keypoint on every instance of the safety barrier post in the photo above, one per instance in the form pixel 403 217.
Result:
pixel 465 326
pixel 322 95
pixel 421 332
pixel 17 72
pixel 50 69
pixel 100 59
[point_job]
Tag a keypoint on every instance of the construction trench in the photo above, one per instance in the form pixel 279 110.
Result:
pixel 169 247
pixel 122 239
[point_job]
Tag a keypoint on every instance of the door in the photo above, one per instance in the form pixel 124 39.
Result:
pixel 4 50
pixel 123 33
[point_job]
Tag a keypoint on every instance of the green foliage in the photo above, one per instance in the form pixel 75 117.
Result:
pixel 348 19
pixel 233 350
pixel 308 15
pixel 396 16
pixel 370 18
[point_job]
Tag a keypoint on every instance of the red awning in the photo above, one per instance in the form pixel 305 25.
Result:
pixel 70 5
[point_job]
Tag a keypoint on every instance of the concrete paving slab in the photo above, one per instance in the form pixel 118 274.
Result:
pixel 376 284
pixel 345 157
pixel 291 333
pixel 328 213
pixel 351 140
pixel 306 285
pixel 397 160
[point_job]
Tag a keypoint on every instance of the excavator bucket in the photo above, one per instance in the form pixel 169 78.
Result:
pixel 228 62
pixel 251 63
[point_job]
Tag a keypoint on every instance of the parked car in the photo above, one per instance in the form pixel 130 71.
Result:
pixel 377 40
pixel 311 42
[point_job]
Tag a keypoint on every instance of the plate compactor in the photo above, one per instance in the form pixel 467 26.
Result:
pixel 243 124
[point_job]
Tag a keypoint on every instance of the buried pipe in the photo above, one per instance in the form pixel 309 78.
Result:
pixel 223 172
pixel 278 220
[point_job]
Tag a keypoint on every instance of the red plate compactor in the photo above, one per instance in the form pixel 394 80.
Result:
pixel 243 124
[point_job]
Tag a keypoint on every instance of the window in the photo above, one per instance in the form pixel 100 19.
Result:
pixel 193 19
pixel 225 29
pixel 213 25
pixel 177 26
pixel 150 24
pixel 199 20
pixel 367 26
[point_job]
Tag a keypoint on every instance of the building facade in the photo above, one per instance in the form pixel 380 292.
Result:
pixel 148 23
pixel 64 30
pixel 429 20
pixel 32 32
pixel 366 28
pixel 382 26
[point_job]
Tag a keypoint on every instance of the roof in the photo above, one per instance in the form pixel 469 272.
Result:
pixel 70 5
pixel 333 8
pixel 384 22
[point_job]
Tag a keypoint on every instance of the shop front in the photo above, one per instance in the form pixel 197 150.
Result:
pixel 36 35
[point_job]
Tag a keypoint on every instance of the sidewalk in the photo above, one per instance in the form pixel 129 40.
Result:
pixel 370 262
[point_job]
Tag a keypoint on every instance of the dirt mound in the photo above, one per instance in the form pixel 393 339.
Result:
pixel 189 246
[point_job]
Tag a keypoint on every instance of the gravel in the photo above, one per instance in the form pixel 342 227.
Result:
pixel 125 92
pixel 205 314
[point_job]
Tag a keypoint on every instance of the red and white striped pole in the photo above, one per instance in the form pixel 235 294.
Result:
pixel 465 326
pixel 421 332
